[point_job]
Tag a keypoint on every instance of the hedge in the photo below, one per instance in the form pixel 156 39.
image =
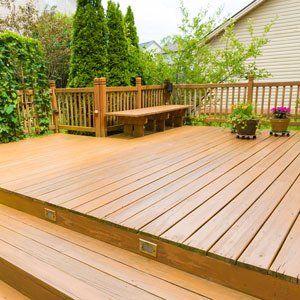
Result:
pixel 22 67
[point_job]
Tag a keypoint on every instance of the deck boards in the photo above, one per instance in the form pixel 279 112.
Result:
pixel 9 293
pixel 197 186
pixel 83 268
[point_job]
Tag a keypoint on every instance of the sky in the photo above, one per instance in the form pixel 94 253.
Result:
pixel 156 19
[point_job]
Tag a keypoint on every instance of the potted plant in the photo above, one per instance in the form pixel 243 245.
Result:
pixel 244 121
pixel 280 120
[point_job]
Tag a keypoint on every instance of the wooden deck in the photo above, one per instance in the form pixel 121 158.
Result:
pixel 73 266
pixel 212 204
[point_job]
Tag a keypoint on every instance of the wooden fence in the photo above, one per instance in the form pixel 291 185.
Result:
pixel 214 101
pixel 83 109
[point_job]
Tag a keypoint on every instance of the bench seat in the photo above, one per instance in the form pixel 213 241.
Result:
pixel 154 118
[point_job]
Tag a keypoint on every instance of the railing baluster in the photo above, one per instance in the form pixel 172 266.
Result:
pixel 232 98
pixel 227 99
pixel 283 96
pixel 256 99
pixel 216 100
pixel 297 103
pixel 276 96
pixel 221 101
pixel 262 101
pixel 269 101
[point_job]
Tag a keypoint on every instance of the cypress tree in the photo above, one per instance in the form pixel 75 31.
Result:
pixel 118 54
pixel 89 44
pixel 133 41
pixel 131 32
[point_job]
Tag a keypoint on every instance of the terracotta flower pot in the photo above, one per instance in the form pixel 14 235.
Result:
pixel 280 125
pixel 247 128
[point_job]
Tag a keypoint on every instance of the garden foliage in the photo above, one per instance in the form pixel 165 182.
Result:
pixel 22 67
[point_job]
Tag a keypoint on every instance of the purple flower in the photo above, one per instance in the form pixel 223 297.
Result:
pixel 281 112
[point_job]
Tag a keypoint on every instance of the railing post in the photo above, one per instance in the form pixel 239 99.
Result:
pixel 138 83
pixel 100 107
pixel 250 89
pixel 54 105
pixel 168 89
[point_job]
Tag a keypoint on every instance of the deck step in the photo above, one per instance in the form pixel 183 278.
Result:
pixel 43 260
pixel 9 293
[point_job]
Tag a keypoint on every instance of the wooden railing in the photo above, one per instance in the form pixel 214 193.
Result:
pixel 84 109
pixel 75 108
pixel 214 101
pixel 26 111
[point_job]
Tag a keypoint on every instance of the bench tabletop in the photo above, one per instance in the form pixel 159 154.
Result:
pixel 142 112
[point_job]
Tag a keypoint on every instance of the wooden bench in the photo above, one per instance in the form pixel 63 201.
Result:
pixel 153 118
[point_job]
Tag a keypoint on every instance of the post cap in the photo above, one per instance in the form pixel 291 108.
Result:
pixel 52 83
pixel 100 81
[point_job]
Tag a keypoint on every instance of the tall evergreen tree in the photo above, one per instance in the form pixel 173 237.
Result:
pixel 133 47
pixel 118 54
pixel 89 45
pixel 131 32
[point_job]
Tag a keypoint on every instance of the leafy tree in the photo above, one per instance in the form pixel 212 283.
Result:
pixel 194 61
pixel 118 63
pixel 19 18
pixel 54 31
pixel 89 45
pixel 154 67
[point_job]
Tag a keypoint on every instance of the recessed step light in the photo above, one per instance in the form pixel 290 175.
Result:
pixel 50 215
pixel 148 247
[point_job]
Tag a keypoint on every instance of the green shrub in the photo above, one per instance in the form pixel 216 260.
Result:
pixel 22 67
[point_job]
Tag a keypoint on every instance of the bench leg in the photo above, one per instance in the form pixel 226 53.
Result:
pixel 160 125
pixel 128 129
pixel 169 122
pixel 178 121
pixel 138 130
pixel 150 126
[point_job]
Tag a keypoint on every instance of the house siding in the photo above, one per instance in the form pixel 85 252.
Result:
pixel 281 56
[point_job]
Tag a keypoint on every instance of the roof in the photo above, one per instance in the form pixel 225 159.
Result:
pixel 149 44
pixel 247 9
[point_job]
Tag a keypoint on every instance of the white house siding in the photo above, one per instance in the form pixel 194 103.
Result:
pixel 281 57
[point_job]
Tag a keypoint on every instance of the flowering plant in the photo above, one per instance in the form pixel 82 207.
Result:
pixel 281 112
pixel 241 113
